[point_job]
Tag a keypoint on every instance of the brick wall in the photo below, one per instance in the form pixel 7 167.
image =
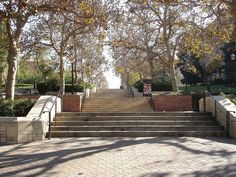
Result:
pixel 172 103
pixel 71 103
pixel 35 97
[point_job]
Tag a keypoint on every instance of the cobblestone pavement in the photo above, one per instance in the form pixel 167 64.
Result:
pixel 118 157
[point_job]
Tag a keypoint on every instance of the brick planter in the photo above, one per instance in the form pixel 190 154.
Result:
pixel 34 97
pixel 172 102
pixel 72 103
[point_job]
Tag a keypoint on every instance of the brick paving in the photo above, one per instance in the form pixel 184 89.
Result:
pixel 121 157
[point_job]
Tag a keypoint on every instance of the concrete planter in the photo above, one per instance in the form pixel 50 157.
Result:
pixel 33 127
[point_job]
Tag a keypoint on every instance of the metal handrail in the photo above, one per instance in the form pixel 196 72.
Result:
pixel 207 93
pixel 227 116
pixel 49 111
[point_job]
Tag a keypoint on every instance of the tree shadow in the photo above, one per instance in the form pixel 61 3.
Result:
pixel 218 171
pixel 82 149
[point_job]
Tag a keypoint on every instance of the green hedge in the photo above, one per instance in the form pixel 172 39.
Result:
pixel 162 86
pixel 75 88
pixel 19 107
pixel 159 86
pixel 51 85
pixel 213 89
pixel 139 86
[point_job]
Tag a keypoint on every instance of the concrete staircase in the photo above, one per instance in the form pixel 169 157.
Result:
pixel 114 100
pixel 114 113
pixel 136 124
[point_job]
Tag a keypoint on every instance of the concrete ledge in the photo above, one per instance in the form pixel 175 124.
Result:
pixel 33 127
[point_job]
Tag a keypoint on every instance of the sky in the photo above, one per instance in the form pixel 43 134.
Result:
pixel 112 79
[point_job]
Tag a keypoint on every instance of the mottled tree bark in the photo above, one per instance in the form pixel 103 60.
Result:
pixel 233 12
pixel 173 77
pixel 1 81
pixel 152 70
pixel 12 59
pixel 62 74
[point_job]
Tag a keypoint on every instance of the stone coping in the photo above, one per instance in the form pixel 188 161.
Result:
pixel 226 104
pixel 168 93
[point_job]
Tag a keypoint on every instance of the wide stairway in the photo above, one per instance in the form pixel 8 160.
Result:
pixel 114 113
pixel 114 100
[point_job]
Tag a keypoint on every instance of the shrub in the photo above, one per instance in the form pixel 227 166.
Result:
pixel 23 106
pixel 162 86
pixel 139 85
pixel 53 85
pixel 42 87
pixel 50 85
pixel 74 88
pixel 159 86
pixel 6 108
pixel 19 107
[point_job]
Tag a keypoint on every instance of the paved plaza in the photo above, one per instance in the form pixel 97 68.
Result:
pixel 121 157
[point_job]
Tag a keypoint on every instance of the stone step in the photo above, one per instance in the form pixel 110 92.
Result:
pixel 136 133
pixel 121 100
pixel 117 105
pixel 187 113
pixel 139 128
pixel 114 113
pixel 132 122
pixel 127 106
pixel 109 118
pixel 117 110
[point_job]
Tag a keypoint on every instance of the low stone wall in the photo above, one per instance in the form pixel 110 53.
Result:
pixel 172 102
pixel 33 127
pixel 34 97
pixel 72 103
pixel 219 106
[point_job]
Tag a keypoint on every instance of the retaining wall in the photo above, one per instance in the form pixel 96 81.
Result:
pixel 220 106
pixel 172 102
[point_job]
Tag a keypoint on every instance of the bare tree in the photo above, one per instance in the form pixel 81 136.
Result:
pixel 16 14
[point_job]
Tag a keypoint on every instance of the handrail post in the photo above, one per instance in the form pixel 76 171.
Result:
pixel 227 122
pixel 204 103
pixel 55 109
pixel 49 130
pixel 215 109
pixel 49 123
